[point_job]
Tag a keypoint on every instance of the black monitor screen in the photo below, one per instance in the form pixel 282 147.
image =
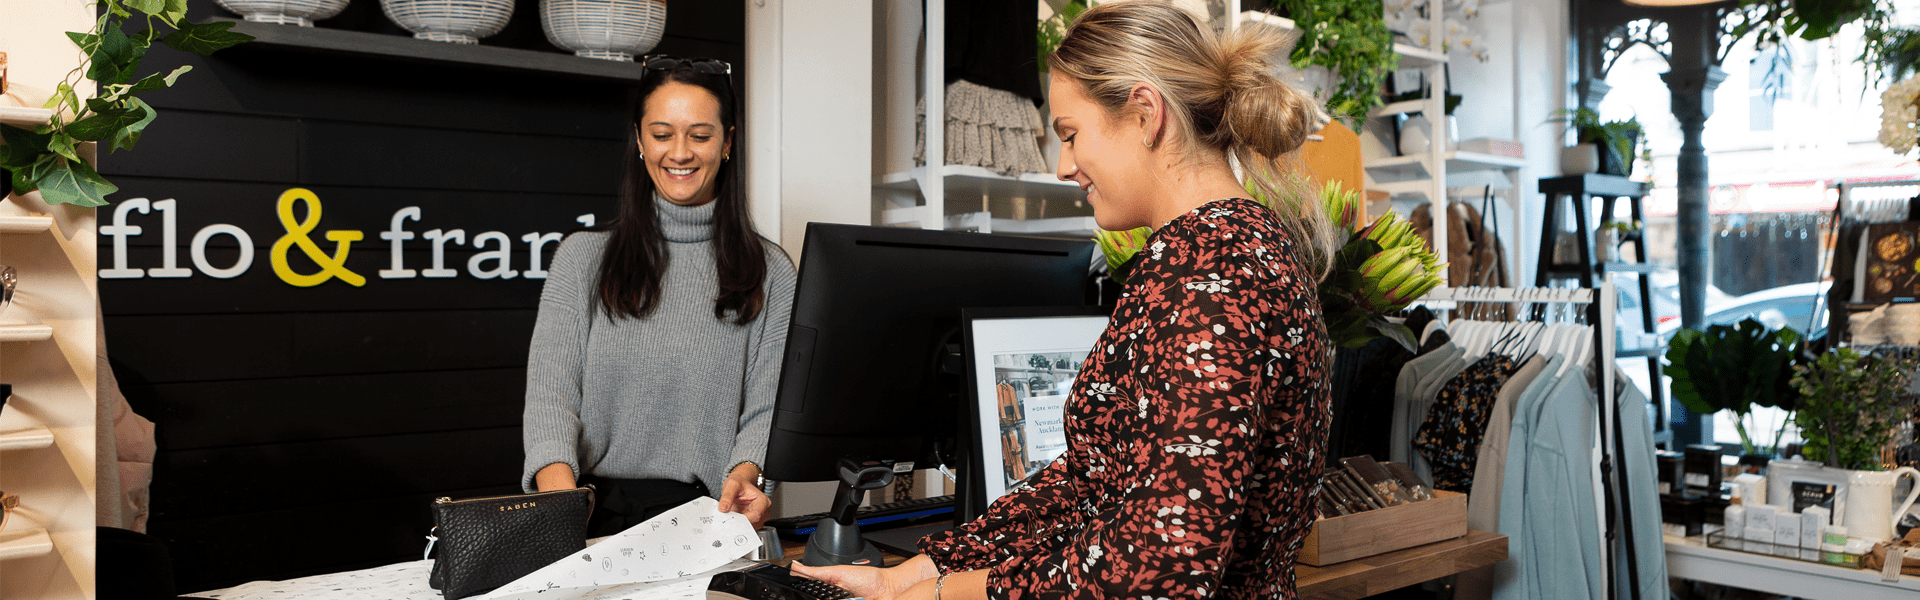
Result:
pixel 876 314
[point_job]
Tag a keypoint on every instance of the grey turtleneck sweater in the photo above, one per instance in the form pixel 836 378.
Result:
pixel 677 395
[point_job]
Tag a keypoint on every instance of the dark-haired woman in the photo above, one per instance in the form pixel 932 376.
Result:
pixel 656 352
pixel 1195 429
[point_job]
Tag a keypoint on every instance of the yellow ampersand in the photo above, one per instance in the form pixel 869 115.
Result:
pixel 330 266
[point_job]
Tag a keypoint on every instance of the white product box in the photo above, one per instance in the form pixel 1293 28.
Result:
pixel 1760 522
pixel 1786 530
pixel 1813 519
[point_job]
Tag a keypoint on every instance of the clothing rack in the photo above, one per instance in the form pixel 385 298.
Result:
pixel 1601 304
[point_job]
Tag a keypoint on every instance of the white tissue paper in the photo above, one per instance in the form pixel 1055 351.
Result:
pixel 670 556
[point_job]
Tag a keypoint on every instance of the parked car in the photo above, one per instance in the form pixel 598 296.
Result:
pixel 1785 306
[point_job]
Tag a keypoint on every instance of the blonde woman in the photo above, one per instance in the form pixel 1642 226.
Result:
pixel 1196 426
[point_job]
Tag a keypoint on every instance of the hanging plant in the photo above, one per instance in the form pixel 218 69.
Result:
pixel 47 158
pixel 1350 38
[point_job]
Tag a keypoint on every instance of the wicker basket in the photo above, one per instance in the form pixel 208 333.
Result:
pixel 453 21
pixel 284 12
pixel 604 29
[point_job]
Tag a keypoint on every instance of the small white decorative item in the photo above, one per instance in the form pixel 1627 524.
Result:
pixel 604 29
pixel 284 12
pixel 452 21
pixel 1580 158
pixel 1899 115
pixel 1605 240
pixel 1415 135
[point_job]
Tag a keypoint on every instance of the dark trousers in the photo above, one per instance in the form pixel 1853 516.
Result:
pixel 619 504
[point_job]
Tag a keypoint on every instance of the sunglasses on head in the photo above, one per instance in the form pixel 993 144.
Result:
pixel 668 62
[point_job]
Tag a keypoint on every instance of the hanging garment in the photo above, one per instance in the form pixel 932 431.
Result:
pixel 1489 470
pixel 1450 435
pixel 1642 498
pixel 1362 399
pixel 1547 507
pixel 1409 409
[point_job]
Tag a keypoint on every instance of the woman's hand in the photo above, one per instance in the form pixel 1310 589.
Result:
pixel 556 476
pixel 892 583
pixel 741 494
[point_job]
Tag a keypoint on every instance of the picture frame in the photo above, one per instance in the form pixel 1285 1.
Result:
pixel 1013 402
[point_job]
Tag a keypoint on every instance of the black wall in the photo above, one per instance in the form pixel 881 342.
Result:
pixel 305 430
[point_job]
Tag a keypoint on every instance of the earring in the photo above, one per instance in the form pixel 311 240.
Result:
pixel 1148 142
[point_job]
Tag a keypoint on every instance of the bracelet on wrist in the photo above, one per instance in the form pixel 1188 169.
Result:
pixel 939 582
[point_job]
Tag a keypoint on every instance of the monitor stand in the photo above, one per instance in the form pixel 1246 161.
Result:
pixel 836 539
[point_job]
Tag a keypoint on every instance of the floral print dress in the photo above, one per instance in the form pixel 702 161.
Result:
pixel 1195 433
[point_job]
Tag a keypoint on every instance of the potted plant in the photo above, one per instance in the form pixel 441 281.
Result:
pixel 1610 144
pixel 1850 405
pixel 1607 239
pixel 1735 368
pixel 48 158
pixel 1350 38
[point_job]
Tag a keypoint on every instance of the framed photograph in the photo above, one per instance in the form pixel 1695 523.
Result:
pixel 1021 366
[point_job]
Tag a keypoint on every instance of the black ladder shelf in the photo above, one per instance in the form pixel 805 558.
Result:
pixel 1573 192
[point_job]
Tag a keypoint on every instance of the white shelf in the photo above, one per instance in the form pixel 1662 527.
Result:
pixel 32 543
pixel 25 332
pixel 1689 558
pixel 1059 226
pixel 25 224
pixel 25 117
pixel 966 182
pixel 1401 107
pixel 1410 56
pixel 26 439
pixel 1456 161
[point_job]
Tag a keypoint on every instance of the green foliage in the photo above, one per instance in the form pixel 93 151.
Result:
pixel 1889 51
pixel 1734 368
pixel 1350 38
pixel 1048 35
pixel 1616 138
pixel 1849 406
pixel 47 158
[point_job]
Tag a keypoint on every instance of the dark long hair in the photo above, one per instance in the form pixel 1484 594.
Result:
pixel 636 255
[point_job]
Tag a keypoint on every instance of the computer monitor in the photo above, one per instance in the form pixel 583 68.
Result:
pixel 872 367
pixel 1021 366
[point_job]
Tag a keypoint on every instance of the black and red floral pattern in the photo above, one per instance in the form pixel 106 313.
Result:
pixel 1194 433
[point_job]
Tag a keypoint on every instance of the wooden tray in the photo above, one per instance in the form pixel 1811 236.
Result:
pixel 1359 535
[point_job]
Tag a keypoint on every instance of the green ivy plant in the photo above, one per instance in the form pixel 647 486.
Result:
pixel 47 158
pixel 1350 38
pixel 1735 368
pixel 1849 406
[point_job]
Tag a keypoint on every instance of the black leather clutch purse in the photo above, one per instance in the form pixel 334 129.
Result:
pixel 486 543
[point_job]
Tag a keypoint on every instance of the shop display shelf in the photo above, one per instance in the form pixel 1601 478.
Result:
pixel 25 117
pixel 34 542
pixel 1456 161
pixel 967 181
pixel 26 439
pixel 25 332
pixel 1410 56
pixel 25 224
pixel 407 49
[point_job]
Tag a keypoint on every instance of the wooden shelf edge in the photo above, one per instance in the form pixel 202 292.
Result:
pixel 25 333
pixel 26 439
pixel 34 543
pixel 405 48
pixel 25 224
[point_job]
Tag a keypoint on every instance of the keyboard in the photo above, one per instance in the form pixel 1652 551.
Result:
pixel 867 515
